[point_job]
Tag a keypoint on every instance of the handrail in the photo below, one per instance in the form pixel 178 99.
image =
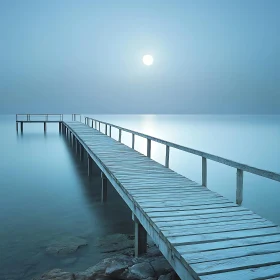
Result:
pixel 239 166
pixel 47 116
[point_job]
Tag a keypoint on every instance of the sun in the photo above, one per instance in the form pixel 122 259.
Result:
pixel 148 59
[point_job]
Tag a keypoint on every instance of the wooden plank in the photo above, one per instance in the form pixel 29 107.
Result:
pixel 234 243
pixel 266 272
pixel 236 263
pixel 204 229
pixel 183 208
pixel 231 253
pixel 211 237
pixel 207 215
pixel 199 223
pixel 184 202
pixel 193 212
pixel 195 221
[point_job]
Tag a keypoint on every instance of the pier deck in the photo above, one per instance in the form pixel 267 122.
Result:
pixel 202 234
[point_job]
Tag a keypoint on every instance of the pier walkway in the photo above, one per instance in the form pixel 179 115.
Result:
pixel 202 234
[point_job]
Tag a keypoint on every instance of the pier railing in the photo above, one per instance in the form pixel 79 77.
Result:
pixel 240 167
pixel 45 117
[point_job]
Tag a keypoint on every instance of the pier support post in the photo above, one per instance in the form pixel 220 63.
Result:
pixel 76 140
pixel 81 152
pixel 59 127
pixel 21 127
pixel 17 126
pixel 140 238
pixel 45 126
pixel 104 188
pixel 89 165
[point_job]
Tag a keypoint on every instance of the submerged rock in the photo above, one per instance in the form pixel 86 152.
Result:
pixel 115 243
pixel 150 266
pixel 58 274
pixel 65 245
pixel 139 271
pixel 161 266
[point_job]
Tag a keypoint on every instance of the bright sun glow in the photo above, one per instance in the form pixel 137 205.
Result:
pixel 148 59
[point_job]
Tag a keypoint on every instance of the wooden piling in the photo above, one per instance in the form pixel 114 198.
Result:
pixel 81 152
pixel 45 126
pixel 104 188
pixel 21 127
pixel 140 238
pixel 89 165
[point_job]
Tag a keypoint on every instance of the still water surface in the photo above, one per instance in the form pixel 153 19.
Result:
pixel 45 192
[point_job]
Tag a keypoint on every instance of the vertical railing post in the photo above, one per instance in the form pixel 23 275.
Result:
pixel 133 140
pixel 110 131
pixel 239 186
pixel 106 129
pixel 120 135
pixel 149 147
pixel 167 156
pixel 99 126
pixel 204 172
pixel 95 124
pixel 91 123
pixel 85 120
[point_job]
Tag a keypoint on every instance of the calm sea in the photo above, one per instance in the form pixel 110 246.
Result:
pixel 45 192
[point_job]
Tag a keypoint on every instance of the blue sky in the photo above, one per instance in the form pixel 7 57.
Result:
pixel 86 56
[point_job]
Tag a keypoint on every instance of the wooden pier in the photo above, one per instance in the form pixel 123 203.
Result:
pixel 202 234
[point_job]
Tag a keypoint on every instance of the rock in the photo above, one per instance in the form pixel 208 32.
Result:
pixel 69 261
pixel 65 245
pixel 169 276
pixel 58 274
pixel 161 266
pixel 138 271
pixel 117 266
pixel 115 243
pixel 98 269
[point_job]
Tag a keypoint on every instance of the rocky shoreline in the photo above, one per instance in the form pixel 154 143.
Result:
pixel 119 262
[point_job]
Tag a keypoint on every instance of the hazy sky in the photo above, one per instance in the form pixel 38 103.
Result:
pixel 85 56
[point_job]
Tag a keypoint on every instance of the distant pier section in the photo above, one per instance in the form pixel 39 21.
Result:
pixel 202 234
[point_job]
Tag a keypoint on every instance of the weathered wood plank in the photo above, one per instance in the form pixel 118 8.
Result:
pixel 266 272
pixel 234 264
pixel 211 237
pixel 233 243
pixel 204 229
pixel 231 253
